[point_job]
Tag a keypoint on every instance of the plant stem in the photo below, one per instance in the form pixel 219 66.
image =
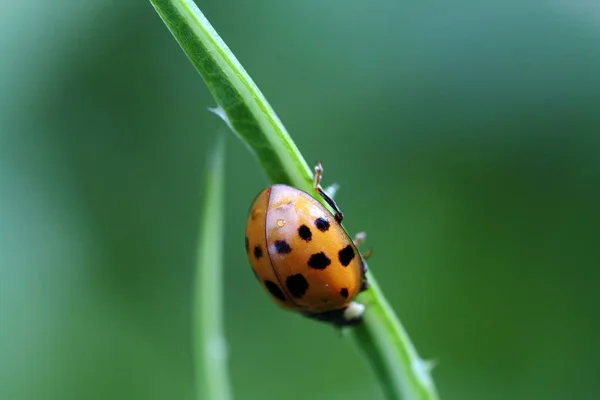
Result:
pixel 245 108
pixel 209 341
pixel 401 372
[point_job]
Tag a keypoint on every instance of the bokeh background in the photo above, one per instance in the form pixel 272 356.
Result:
pixel 464 136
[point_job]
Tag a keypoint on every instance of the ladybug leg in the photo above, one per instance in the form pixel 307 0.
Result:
pixel 332 189
pixel 364 285
pixel 358 240
pixel 318 175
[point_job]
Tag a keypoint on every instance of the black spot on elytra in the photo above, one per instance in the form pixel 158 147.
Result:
pixel 274 290
pixel 282 247
pixel 319 261
pixel 322 224
pixel 346 255
pixel 257 252
pixel 297 285
pixel 344 293
pixel 247 248
pixel 305 233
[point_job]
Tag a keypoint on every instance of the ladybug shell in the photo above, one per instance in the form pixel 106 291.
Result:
pixel 300 254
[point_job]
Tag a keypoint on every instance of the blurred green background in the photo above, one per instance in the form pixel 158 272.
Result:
pixel 465 139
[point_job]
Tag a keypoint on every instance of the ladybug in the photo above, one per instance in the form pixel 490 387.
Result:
pixel 303 257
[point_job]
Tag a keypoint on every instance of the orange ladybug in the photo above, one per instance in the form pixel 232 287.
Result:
pixel 302 255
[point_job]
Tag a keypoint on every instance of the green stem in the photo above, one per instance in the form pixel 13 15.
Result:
pixel 381 337
pixel 209 341
pixel 402 373
pixel 246 110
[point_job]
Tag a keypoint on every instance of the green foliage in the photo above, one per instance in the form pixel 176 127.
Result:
pixel 247 111
pixel 208 338
pixel 464 138
pixel 401 371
